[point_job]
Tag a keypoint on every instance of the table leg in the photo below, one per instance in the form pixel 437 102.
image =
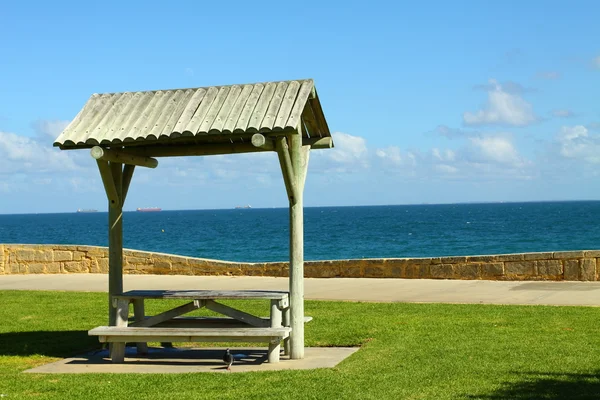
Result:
pixel 139 315
pixel 276 319
pixel 286 323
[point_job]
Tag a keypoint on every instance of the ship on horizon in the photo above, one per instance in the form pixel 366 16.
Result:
pixel 86 210
pixel 148 209
pixel 246 206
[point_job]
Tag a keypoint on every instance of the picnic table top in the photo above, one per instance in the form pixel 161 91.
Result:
pixel 204 294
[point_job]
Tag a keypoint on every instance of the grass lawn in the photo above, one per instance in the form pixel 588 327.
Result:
pixel 409 351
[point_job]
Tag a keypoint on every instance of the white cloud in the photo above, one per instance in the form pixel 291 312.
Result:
pixel 502 108
pixel 576 143
pixel 495 150
pixel 20 154
pixel 48 131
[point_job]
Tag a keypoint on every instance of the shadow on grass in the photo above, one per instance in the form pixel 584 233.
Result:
pixel 46 343
pixel 549 386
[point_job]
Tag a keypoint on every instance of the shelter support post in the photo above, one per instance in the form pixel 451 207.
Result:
pixel 116 180
pixel 293 159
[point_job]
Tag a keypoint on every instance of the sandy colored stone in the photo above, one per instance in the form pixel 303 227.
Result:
pixel 523 268
pixel 571 272
pixel 350 271
pixel 136 260
pixel 78 255
pixel 72 266
pixel 442 271
pixel 466 271
pixel 510 257
pixel 53 268
pixel 63 255
pixel 253 269
pixel 561 255
pixel 480 259
pixel 24 254
pixel 36 268
pixel 394 271
pixel 591 253
pixel 549 268
pixel 588 269
pixel 492 269
pixel 374 271
pixel 454 260
pixel 12 268
pixel 103 265
pixel 162 265
pixel 178 268
pixel 537 256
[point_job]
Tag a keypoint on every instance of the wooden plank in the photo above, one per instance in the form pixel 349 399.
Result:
pixel 102 129
pixel 94 116
pixel 189 111
pixel 167 315
pixel 236 110
pixel 248 110
pixel 308 117
pixel 221 337
pixel 266 124
pixel 319 116
pixel 203 294
pixel 183 332
pixel 299 105
pixel 286 106
pixel 71 131
pixel 261 108
pixel 234 313
pixel 129 102
pixel 175 111
pixel 115 242
pixel 124 133
pixel 287 169
pixel 217 125
pixel 150 114
pixel 214 109
pixel 192 127
pixel 162 113
pixel 119 156
pixel 108 182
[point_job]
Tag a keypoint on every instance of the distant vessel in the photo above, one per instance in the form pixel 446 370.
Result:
pixel 148 209
pixel 246 206
pixel 86 210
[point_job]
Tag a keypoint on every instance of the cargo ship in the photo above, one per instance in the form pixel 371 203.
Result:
pixel 86 210
pixel 148 209
pixel 246 206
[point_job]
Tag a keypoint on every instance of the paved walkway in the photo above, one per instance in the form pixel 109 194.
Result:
pixel 351 289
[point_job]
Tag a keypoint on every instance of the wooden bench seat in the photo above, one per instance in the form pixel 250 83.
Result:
pixel 118 336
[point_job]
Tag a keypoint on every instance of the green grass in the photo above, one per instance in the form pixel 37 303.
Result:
pixel 409 351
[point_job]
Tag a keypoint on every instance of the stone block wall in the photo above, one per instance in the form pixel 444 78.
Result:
pixel 580 265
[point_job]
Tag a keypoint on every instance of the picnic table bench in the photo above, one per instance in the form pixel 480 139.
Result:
pixel 169 326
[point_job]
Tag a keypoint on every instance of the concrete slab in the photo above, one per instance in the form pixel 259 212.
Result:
pixel 185 360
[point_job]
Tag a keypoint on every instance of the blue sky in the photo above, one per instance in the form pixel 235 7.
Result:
pixel 430 102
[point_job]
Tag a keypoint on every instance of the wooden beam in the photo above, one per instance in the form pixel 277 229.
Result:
pixel 261 142
pixel 236 314
pixel 119 156
pixel 115 241
pixel 287 168
pixel 109 183
pixel 216 148
pixel 127 175
pixel 169 314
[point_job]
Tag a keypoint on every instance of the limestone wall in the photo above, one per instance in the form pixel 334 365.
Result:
pixel 64 259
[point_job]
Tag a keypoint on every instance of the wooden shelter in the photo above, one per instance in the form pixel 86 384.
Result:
pixel 125 130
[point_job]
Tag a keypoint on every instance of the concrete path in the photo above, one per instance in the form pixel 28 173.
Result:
pixel 351 289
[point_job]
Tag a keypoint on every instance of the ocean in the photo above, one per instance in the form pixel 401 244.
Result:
pixel 330 232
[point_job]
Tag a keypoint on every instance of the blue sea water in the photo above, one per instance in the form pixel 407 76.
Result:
pixel 330 232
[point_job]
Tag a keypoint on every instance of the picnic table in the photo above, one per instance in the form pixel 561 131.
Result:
pixel 169 326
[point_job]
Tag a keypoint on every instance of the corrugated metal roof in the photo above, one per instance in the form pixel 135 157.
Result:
pixel 211 113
